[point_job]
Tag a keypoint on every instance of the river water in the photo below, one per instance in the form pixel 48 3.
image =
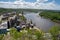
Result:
pixel 40 22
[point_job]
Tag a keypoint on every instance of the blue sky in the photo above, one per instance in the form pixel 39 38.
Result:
pixel 56 1
pixel 7 0
pixel 15 0
pixel 30 0
pixel 42 4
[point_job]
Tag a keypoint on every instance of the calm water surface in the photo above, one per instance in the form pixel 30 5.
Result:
pixel 42 23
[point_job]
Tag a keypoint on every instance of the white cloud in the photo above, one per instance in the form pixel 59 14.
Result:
pixel 39 4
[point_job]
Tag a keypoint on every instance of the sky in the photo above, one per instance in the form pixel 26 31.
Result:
pixel 31 4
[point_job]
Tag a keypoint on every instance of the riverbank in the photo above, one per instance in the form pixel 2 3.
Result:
pixel 54 16
pixel 40 22
pixel 29 33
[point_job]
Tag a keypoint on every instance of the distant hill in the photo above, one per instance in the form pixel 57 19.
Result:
pixel 4 10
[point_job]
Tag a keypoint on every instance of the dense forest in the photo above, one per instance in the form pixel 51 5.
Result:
pixel 3 10
pixel 55 16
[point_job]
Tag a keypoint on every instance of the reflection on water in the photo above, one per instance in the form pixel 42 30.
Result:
pixel 42 23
